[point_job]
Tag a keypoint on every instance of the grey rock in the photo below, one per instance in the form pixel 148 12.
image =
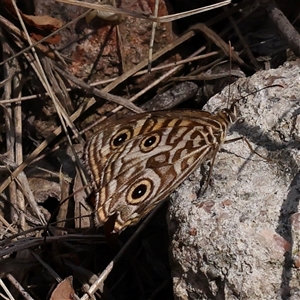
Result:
pixel 240 239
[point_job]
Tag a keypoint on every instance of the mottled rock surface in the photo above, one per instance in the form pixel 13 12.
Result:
pixel 240 239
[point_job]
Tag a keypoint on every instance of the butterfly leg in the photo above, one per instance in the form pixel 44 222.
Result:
pixel 212 161
pixel 248 144
pixel 213 158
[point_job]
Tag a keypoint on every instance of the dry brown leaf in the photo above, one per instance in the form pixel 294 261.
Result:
pixel 41 26
pixel 64 290
pixel 42 22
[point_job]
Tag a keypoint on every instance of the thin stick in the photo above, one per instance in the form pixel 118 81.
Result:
pixel 154 24
pixel 18 286
pixel 169 18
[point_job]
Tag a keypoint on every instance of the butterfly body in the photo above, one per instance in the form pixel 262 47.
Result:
pixel 138 161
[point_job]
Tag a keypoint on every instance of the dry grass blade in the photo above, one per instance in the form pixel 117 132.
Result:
pixel 215 38
pixel 6 290
pixel 100 93
pixel 196 11
pixel 154 24
pixel 19 287
pixel 120 11
pixel 202 76
pixel 22 181
pixel 30 242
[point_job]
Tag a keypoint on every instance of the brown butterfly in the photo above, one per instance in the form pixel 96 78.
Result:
pixel 137 161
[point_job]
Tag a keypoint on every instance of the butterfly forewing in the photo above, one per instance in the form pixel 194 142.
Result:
pixel 137 161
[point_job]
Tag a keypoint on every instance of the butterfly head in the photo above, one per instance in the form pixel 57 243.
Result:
pixel 229 114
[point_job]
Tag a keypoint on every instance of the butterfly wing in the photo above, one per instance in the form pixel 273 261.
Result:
pixel 138 161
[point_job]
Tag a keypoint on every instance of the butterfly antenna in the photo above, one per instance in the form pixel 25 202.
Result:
pixel 253 93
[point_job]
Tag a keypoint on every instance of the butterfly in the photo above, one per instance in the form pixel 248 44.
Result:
pixel 137 161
